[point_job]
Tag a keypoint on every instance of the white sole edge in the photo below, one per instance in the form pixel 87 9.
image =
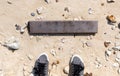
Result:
pixel 76 56
pixel 45 55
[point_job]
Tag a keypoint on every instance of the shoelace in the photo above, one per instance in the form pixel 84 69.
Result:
pixel 76 69
pixel 41 69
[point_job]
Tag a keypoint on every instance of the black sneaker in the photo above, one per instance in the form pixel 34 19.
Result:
pixel 41 66
pixel 76 66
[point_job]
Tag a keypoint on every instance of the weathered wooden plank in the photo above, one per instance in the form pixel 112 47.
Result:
pixel 53 27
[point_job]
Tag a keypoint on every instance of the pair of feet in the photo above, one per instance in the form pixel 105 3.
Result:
pixel 41 66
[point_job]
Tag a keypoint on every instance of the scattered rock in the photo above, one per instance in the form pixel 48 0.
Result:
pixel 90 11
pixel 48 1
pixel 107 43
pixel 90 37
pixel 110 1
pixel 116 48
pixel 115 65
pixel 39 10
pixel 60 48
pixel 57 0
pixel 66 15
pixel 18 27
pixel 30 57
pixel 117 36
pixel 119 71
pixel 66 9
pixel 31 37
pixel 63 40
pixel 113 27
pixel 9 2
pixel 53 52
pixel 118 57
pixel 89 44
pixel 119 25
pixel 66 70
pixel 102 4
pixel 55 63
pixel 107 54
pixel 21 28
pixel 88 74
pixel 33 14
pixel 13 46
pixel 83 44
pixel 12 43
pixel 111 19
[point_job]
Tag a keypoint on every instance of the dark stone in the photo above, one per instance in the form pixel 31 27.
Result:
pixel 32 14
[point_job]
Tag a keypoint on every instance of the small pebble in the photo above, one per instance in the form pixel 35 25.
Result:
pixel 53 52
pixel 111 18
pixel 102 4
pixel 119 71
pixel 30 57
pixel 63 40
pixel 89 44
pixel 9 2
pixel 31 37
pixel 39 10
pixel 57 0
pixel 116 48
pixel 108 52
pixel 66 9
pixel 89 37
pixel 110 1
pixel 88 74
pixel 22 30
pixel 118 26
pixel 48 1
pixel 90 11
pixel 66 70
pixel 18 27
pixel 33 14
pixel 12 44
pixel 107 43
pixel 113 27
pixel 56 62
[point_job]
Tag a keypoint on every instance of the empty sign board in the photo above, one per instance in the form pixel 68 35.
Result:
pixel 53 27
